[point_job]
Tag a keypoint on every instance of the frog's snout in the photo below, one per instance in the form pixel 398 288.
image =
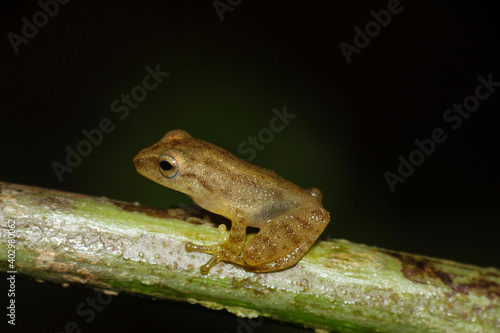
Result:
pixel 139 162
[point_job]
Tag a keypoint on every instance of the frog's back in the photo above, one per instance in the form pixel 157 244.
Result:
pixel 260 192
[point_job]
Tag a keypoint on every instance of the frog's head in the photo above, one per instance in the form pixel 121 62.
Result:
pixel 174 162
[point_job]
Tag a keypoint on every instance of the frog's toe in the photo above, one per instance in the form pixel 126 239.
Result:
pixel 204 269
pixel 190 247
pixel 223 233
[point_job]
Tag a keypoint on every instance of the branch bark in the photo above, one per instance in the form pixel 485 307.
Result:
pixel 119 247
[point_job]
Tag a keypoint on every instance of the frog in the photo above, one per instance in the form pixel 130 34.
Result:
pixel 289 219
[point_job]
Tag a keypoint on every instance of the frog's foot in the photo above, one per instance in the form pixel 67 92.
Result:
pixel 216 250
pixel 212 249
pixel 221 252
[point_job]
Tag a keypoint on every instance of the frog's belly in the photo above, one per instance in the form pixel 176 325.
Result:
pixel 259 219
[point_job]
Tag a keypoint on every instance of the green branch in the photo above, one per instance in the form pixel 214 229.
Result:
pixel 121 247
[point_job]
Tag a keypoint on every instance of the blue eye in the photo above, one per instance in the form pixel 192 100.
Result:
pixel 168 166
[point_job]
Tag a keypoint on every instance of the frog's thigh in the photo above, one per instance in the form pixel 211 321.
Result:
pixel 283 241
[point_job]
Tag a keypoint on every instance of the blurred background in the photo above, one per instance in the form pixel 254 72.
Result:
pixel 230 63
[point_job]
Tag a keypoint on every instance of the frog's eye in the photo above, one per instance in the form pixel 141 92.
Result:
pixel 168 166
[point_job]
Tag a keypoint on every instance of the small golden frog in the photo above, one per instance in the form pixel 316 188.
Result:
pixel 290 219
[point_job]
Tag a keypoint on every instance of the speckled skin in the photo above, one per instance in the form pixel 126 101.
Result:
pixel 290 218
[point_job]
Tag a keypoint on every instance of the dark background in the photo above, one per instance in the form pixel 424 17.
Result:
pixel 353 120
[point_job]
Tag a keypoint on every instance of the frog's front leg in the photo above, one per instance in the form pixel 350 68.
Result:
pixel 228 250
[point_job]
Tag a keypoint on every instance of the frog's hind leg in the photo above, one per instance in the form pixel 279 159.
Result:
pixel 281 243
